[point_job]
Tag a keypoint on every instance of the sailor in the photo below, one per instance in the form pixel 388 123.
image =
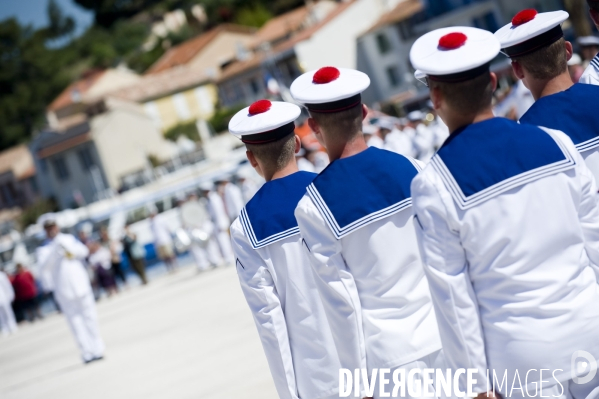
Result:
pixel 589 47
pixel 396 140
pixel 508 226
pixel 356 222
pixel 8 323
pixel 62 255
pixel 196 221
pixel 539 56
pixel 220 218
pixel 273 269
pixel 231 195
pixel 424 141
pixel 591 73
pixel 371 136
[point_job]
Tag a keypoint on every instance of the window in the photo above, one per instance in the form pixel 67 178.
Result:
pixel 86 158
pixel 60 168
pixel 152 111
pixel 393 76
pixel 383 43
pixel 181 107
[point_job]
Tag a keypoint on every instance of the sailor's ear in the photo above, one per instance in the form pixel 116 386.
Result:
pixel 364 111
pixel 518 70
pixel 298 144
pixel 569 50
pixel 252 158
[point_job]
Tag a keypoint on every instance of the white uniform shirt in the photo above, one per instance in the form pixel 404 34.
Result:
pixel 400 142
pixel 233 200
pixel 161 232
pixel 591 73
pixel 62 256
pixel 356 220
pixel 510 240
pixel 278 284
pixel 375 141
pixel 424 142
pixel 7 293
pixel 216 207
pixel 101 258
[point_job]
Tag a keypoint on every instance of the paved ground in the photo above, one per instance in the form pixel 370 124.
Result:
pixel 183 336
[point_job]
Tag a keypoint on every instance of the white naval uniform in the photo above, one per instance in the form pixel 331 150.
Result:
pixel 278 284
pixel 356 221
pixel 216 207
pixel 573 112
pixel 400 142
pixel 72 289
pixel 591 73
pixel 233 199
pixel 8 323
pixel 508 225
pixel 194 215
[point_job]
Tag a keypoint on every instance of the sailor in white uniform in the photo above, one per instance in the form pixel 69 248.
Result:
pixel 62 255
pixel 532 39
pixel 508 226
pixel 356 221
pixel 273 269
pixel 591 73
pixel 8 323
pixel 220 218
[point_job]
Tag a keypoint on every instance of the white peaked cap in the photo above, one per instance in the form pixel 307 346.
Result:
pixel 262 121
pixel 328 86
pixel 453 50
pixel 530 31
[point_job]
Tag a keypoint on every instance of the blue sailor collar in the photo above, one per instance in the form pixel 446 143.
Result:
pixel 269 216
pixel 485 159
pixel 356 191
pixel 571 111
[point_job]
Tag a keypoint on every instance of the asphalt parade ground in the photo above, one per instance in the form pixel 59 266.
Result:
pixel 185 335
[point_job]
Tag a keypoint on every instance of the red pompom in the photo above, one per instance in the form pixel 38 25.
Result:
pixel 259 107
pixel 325 75
pixel 452 40
pixel 524 16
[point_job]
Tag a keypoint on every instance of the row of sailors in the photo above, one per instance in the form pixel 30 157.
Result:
pixel 486 259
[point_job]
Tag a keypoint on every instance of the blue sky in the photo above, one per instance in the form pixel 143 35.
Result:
pixel 34 12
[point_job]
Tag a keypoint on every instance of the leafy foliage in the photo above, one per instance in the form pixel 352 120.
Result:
pixel 222 116
pixel 34 211
pixel 188 129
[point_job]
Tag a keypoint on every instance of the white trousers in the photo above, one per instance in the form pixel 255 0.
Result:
pixel 83 321
pixel 206 257
pixel 434 360
pixel 8 323
pixel 224 243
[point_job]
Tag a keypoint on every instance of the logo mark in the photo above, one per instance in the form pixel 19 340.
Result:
pixel 583 367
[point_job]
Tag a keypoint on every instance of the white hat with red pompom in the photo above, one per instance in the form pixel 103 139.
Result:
pixel 264 121
pixel 453 54
pixel 330 89
pixel 530 31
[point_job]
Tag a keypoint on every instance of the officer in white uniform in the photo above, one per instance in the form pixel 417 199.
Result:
pixel 508 225
pixel 196 221
pixel 356 221
pixel 560 104
pixel 8 323
pixel 273 270
pixel 371 136
pixel 62 255
pixel 591 73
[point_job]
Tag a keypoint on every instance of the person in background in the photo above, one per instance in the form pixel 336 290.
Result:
pixel 8 323
pixel 25 289
pixel 302 163
pixel 231 195
pixel 589 47
pixel 575 68
pixel 62 254
pixel 195 219
pixel 116 249
pixel 99 261
pixel 220 218
pixel 163 240
pixel 371 136
pixel 135 253
pixel 273 271
pixel 424 141
pixel 250 182
pixel 591 73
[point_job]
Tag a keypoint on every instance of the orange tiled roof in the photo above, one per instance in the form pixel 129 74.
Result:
pixel 281 26
pixel 80 86
pixel 186 51
pixel 18 160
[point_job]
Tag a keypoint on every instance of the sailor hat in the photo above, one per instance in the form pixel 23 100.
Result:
pixel 47 220
pixel 584 41
pixel 330 89
pixel 530 31
pixel 264 121
pixel 453 54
